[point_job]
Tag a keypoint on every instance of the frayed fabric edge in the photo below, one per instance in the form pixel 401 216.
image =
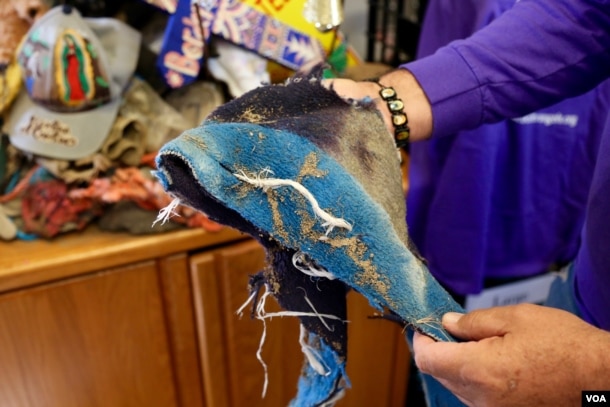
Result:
pixel 262 315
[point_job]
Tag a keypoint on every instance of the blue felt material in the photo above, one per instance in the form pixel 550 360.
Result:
pixel 341 154
pixel 371 257
pixel 314 389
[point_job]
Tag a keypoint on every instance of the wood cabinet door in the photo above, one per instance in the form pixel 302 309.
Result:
pixel 377 352
pixel 94 341
pixel 377 358
pixel 233 375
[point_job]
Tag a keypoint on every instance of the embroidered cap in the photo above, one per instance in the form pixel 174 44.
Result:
pixel 74 70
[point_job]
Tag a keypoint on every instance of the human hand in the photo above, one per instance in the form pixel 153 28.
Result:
pixel 417 107
pixel 520 355
pixel 359 90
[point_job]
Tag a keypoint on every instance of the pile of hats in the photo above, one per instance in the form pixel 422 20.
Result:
pixel 81 127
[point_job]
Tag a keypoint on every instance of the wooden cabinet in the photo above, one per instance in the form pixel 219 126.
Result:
pixel 377 352
pixel 101 340
pixel 121 337
pixel 112 320
pixel 234 375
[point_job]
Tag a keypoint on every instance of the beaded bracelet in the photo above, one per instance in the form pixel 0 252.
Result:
pixel 399 117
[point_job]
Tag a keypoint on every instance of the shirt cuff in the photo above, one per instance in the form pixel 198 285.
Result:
pixel 453 90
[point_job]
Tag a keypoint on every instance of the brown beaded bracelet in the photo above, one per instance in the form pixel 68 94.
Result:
pixel 399 117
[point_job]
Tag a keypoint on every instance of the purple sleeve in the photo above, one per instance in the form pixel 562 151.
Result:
pixel 534 55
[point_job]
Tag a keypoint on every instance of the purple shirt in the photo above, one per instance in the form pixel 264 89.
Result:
pixel 471 214
pixel 536 54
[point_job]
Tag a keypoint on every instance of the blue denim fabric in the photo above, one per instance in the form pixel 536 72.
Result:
pixel 562 293
pixel 436 394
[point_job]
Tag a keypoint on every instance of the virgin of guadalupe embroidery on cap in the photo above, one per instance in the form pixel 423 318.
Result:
pixel 81 81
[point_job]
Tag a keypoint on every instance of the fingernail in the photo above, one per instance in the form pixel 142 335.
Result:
pixel 451 318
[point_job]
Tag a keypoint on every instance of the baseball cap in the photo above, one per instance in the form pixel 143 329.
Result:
pixel 74 71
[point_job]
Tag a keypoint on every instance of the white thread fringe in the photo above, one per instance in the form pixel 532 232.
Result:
pixel 330 222
pixel 261 315
pixel 313 356
pixel 167 212
pixel 305 266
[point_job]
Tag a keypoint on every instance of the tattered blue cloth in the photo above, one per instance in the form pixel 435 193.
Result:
pixel 317 181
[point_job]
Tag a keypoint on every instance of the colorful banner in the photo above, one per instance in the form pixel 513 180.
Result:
pixel 275 29
pixel 183 46
pixel 265 34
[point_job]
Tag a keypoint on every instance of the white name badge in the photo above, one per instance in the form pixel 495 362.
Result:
pixel 533 290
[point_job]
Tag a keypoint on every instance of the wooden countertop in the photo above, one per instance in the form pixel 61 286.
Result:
pixel 26 263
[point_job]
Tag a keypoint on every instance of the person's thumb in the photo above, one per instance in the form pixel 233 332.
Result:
pixel 476 325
